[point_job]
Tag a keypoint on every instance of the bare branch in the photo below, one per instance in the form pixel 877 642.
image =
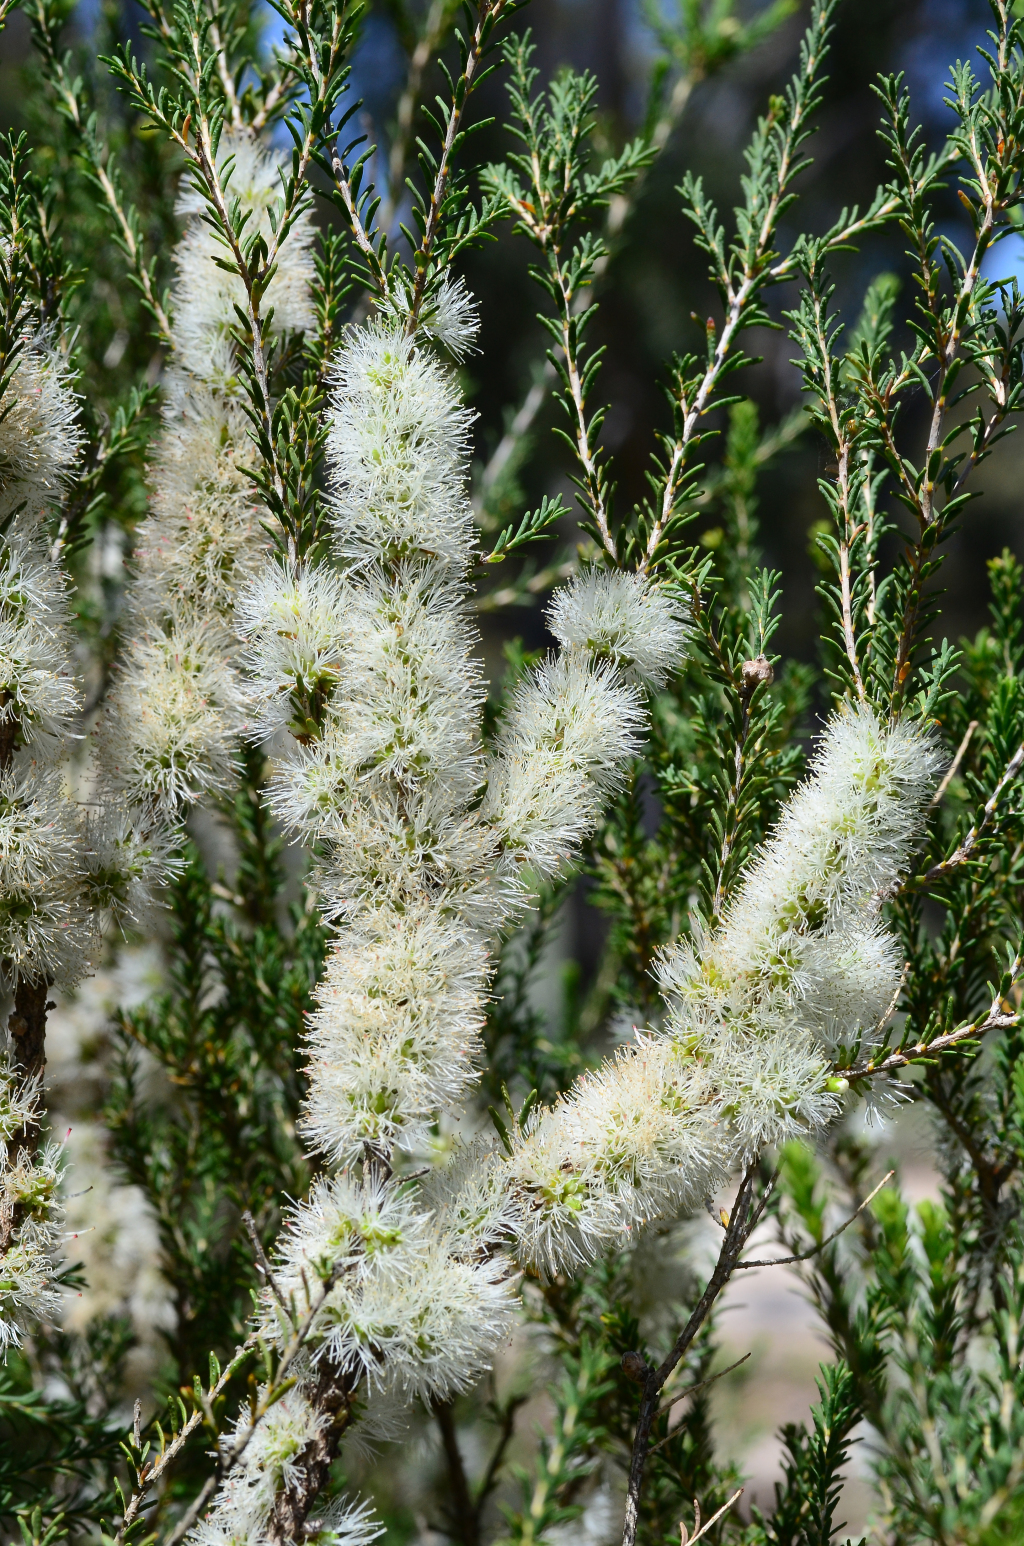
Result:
pixel 998 1018
pixel 966 848
pixel 689 1540
pixel 745 1216
pixel 261 1257
pixel 954 766
pixel 785 1261
pixel 667 1402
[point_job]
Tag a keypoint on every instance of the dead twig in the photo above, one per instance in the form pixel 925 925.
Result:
pixel 686 1539
pixel 954 766
pixel 785 1261
pixel 961 854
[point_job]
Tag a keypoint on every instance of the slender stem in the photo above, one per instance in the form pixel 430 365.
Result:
pixel 669 1399
pixel 508 1426
pixel 203 159
pixel 488 12
pixel 746 688
pixel 740 292
pixel 148 1474
pixel 585 449
pixel 743 1220
pixel 963 852
pixel 463 1514
pixel 360 234
pixel 224 76
pixel 851 529
pixel 702 1529
pixel 788 1261
pixel 996 1019
pixel 521 425
pixel 954 766
pixel 439 19
pixel 255 276
pixel 619 211
pixel 949 330
pixel 132 248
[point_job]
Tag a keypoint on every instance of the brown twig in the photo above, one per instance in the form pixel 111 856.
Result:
pixel 147 1474
pixel 667 1402
pixel 786 1261
pixel 690 1540
pixel 332 1397
pixel 463 1515
pixel 261 1257
pixel 997 1019
pixel 963 852
pixel 745 1217
pixel 508 1424
pixel 954 766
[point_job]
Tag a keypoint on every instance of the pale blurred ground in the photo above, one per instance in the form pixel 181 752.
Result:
pixel 768 1314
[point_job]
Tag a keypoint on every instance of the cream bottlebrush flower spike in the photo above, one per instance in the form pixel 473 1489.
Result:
pixel 801 962
pixel 369 664
pixel 48 927
pixel 172 723
pixel 374 674
pixel 40 438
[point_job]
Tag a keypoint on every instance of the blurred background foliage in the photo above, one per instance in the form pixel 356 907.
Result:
pixel 655 294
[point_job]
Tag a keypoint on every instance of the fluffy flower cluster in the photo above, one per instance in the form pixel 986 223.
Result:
pixel 30 1212
pixel 48 923
pixel 800 964
pixel 369 663
pixel 272 1459
pixel 364 672
pixel 398 448
pixel 45 923
pixel 173 720
pixel 416 1307
pixel 40 438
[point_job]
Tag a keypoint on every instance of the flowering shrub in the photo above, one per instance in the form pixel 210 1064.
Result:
pixel 809 924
